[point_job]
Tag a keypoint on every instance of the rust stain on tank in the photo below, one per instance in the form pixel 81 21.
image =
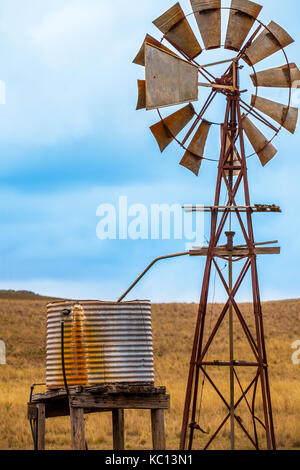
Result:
pixel 105 342
pixel 78 345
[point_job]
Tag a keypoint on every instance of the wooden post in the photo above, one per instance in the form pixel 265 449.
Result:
pixel 118 429
pixel 158 429
pixel 41 426
pixel 77 428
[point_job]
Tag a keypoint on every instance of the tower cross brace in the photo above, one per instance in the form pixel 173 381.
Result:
pixel 232 163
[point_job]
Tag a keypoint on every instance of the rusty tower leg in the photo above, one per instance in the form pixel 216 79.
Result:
pixel 232 150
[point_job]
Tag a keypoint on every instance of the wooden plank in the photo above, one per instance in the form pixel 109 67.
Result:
pixel 41 426
pixel 140 402
pixel 98 389
pixel 77 428
pixel 118 429
pixel 158 429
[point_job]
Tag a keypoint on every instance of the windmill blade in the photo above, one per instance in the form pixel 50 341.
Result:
pixel 169 79
pixel 208 16
pixel 241 19
pixel 141 104
pixel 165 131
pixel 264 149
pixel 192 158
pixel 236 162
pixel 285 116
pixel 286 76
pixel 140 58
pixel 174 25
pixel 268 42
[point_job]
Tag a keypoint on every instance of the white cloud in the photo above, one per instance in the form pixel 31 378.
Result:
pixel 62 68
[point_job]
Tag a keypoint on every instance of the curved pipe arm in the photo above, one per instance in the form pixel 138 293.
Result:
pixel 148 268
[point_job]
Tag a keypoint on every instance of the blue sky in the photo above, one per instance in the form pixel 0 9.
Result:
pixel 71 139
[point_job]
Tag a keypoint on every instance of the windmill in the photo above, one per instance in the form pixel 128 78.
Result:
pixel 173 75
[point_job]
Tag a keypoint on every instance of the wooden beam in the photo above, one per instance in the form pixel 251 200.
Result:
pixel 55 411
pixel 118 429
pixel 41 426
pixel 77 428
pixel 131 401
pixel 217 86
pixel 216 63
pixel 99 389
pixel 32 411
pixel 158 429
pixel 58 409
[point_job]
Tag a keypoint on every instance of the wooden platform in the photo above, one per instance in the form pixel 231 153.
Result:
pixel 101 398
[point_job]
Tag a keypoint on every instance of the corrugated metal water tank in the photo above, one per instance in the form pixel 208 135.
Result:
pixel 104 342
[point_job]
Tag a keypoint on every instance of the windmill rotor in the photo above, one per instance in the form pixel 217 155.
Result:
pixel 173 76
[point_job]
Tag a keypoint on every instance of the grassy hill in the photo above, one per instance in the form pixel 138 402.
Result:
pixel 23 328
pixel 22 295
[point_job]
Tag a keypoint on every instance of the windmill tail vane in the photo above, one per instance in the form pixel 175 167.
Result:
pixel 173 77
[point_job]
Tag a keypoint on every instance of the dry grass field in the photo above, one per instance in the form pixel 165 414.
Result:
pixel 23 327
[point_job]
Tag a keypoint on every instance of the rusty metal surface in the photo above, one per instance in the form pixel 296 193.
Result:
pixel 206 331
pixel 286 76
pixel 141 104
pixel 286 116
pixel 192 158
pixel 241 19
pixel 208 17
pixel 165 131
pixel 140 58
pixel 105 342
pixel 169 80
pixel 176 28
pixel 271 40
pixel 264 149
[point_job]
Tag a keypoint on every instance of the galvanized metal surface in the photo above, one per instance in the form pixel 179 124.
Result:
pixel 192 158
pixel 285 116
pixel 208 17
pixel 169 79
pixel 286 76
pixel 174 25
pixel 264 149
pixel 241 19
pixel 165 131
pixel 105 342
pixel 271 40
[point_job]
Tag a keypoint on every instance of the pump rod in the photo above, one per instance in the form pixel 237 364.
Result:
pixel 175 255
